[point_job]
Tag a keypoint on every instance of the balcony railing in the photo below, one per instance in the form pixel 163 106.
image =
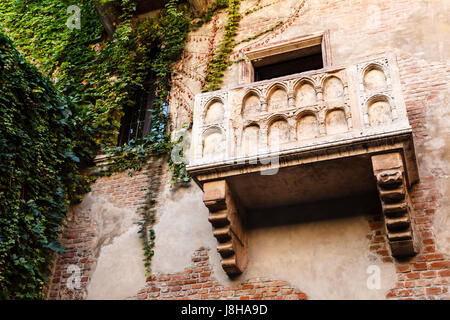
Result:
pixel 298 113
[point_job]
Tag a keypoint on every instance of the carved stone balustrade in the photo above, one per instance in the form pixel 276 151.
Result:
pixel 261 136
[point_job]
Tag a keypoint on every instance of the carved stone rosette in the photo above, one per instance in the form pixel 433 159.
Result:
pixel 395 203
pixel 226 218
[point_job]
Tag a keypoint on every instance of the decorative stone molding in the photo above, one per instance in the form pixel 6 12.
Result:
pixel 342 104
pixel 252 58
pixel 226 218
pixel 395 202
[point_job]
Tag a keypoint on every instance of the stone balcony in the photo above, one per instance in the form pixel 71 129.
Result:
pixel 253 143
pixel 297 114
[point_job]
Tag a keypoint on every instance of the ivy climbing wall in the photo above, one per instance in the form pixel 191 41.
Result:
pixel 416 33
pixel 104 257
pixel 320 259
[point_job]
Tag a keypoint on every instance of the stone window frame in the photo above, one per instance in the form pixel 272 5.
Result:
pixel 246 68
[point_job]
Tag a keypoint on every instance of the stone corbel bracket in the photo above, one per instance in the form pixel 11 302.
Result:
pixel 226 218
pixel 396 205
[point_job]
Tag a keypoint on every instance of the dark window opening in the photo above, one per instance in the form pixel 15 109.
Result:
pixel 284 64
pixel 136 121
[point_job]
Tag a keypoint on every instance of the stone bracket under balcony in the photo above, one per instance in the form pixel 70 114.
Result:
pixel 308 137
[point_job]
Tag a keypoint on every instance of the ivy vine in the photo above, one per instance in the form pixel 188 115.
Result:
pixel 51 128
pixel 40 160
pixel 220 60
pixel 210 12
pixel 97 80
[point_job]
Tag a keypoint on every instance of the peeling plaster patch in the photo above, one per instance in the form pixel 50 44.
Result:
pixel 431 31
pixel 182 227
pixel 111 221
pixel 425 32
pixel 436 162
pixel 325 259
pixel 120 272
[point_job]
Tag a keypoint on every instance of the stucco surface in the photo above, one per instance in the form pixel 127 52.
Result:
pixel 326 258
pixel 119 272
pixel 182 227
pixel 436 162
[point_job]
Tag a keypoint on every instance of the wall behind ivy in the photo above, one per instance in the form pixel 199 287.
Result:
pixel 53 127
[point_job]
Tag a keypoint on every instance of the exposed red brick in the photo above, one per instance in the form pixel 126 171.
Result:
pixel 439 265
pixel 413 275
pixel 419 266
pixel 403 268
pixel 433 291
pixel 165 286
pixel 429 274
pixel 444 273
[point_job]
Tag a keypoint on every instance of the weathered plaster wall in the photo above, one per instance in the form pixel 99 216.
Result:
pixel 104 246
pixel 418 32
pixel 437 147
pixel 182 227
pixel 327 258
pixel 104 256
pixel 119 271
pixel 323 258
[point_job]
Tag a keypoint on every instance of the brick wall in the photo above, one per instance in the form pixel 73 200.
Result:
pixel 198 282
pixel 80 236
pixel 425 276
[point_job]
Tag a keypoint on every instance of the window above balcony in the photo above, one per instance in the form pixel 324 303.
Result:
pixel 306 53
